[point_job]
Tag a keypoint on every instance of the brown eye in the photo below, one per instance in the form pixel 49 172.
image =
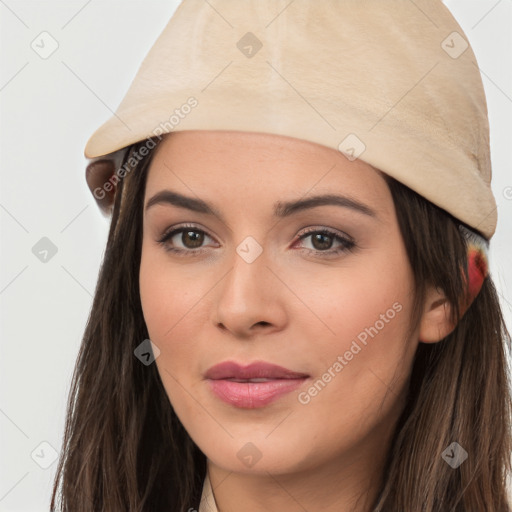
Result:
pixel 192 239
pixel 321 241
pixel 185 240
pixel 326 242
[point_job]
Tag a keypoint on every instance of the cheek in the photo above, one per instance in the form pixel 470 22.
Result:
pixel 170 300
pixel 168 293
pixel 370 300
pixel 364 359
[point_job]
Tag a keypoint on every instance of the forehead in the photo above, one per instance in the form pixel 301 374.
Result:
pixel 243 166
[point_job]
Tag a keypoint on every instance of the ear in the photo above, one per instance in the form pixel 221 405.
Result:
pixel 436 321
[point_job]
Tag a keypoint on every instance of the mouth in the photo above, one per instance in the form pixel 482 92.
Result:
pixel 250 380
pixel 252 386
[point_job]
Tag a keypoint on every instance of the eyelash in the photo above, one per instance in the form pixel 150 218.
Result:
pixel 347 244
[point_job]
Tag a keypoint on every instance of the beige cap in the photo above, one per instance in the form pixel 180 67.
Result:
pixel 394 83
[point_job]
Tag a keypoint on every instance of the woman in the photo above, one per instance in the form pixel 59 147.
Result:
pixel 294 310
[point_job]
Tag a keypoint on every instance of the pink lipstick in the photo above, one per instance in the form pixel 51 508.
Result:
pixel 254 385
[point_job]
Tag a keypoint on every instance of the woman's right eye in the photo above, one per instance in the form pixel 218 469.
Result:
pixel 184 240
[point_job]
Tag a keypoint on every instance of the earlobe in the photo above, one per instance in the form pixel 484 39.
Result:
pixel 436 322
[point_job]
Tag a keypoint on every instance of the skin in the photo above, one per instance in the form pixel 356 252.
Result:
pixel 290 307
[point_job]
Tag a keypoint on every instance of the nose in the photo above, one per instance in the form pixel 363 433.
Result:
pixel 250 298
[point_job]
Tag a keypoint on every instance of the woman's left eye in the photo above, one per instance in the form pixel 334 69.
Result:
pixel 188 240
pixel 323 239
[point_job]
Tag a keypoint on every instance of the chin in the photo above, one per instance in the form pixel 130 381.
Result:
pixel 253 453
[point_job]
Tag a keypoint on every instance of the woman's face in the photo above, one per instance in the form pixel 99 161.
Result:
pixel 257 272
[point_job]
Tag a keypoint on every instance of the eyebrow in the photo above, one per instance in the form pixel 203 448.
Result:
pixel 281 209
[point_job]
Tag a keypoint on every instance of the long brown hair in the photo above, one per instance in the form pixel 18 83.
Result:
pixel 124 449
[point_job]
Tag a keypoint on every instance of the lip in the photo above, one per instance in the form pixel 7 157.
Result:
pixel 230 382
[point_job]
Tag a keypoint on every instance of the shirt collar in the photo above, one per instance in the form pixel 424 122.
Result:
pixel 207 503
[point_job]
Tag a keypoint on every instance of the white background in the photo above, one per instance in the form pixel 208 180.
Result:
pixel 49 108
